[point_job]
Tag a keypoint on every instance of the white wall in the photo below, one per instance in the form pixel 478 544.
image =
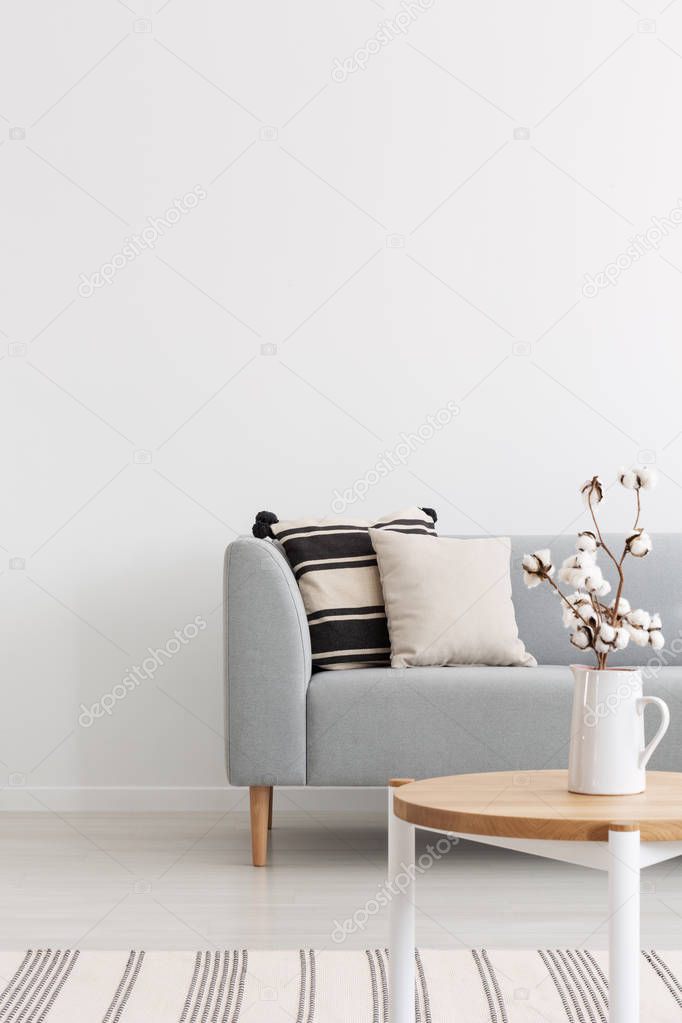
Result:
pixel 391 235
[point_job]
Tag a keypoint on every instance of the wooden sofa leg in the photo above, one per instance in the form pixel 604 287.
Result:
pixel 259 797
pixel 272 798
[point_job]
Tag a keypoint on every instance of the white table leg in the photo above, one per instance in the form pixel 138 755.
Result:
pixel 401 885
pixel 624 932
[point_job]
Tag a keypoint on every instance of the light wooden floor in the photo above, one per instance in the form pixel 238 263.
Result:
pixel 182 880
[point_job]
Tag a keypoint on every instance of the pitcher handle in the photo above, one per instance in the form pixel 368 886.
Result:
pixel 645 755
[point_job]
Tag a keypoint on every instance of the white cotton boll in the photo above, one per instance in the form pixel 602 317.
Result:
pixel 581 611
pixel 622 639
pixel 530 569
pixel 605 639
pixel 581 638
pixel 640 618
pixel 623 606
pixel 628 479
pixel 572 577
pixel 537 567
pixel 587 544
pixel 590 616
pixel 594 580
pixel 574 569
pixel 603 588
pixel 587 613
pixel 566 571
pixel 647 477
pixel 607 632
pixel 644 478
pixel 592 490
pixel 569 618
pixel 655 635
pixel 640 637
pixel 638 543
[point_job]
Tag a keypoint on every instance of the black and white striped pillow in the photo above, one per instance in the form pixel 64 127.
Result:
pixel 336 570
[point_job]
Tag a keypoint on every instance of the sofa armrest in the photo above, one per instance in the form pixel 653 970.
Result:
pixel 267 664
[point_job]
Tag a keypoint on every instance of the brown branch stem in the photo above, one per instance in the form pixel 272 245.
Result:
pixel 577 614
pixel 599 536
pixel 623 555
pixel 639 509
pixel 618 564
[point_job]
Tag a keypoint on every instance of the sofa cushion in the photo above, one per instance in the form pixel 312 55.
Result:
pixel 336 569
pixel 448 601
pixel 365 727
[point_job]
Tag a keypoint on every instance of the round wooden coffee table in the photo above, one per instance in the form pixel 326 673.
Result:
pixel 533 812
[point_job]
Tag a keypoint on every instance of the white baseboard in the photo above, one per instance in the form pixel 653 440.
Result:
pixel 148 799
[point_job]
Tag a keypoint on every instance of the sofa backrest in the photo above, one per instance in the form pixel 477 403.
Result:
pixel 653 583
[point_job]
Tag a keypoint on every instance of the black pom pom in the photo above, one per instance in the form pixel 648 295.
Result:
pixel 261 527
pixel 431 512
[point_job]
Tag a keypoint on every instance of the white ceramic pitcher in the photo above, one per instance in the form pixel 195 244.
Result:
pixel 607 754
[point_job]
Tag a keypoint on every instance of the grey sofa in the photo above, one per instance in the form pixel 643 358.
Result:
pixel 287 726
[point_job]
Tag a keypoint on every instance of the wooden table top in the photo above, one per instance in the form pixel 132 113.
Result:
pixel 537 804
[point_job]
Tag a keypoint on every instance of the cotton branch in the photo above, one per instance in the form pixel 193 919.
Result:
pixel 606 629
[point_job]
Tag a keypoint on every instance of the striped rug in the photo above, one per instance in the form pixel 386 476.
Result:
pixel 305 986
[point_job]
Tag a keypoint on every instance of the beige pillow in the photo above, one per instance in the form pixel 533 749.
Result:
pixel 448 601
